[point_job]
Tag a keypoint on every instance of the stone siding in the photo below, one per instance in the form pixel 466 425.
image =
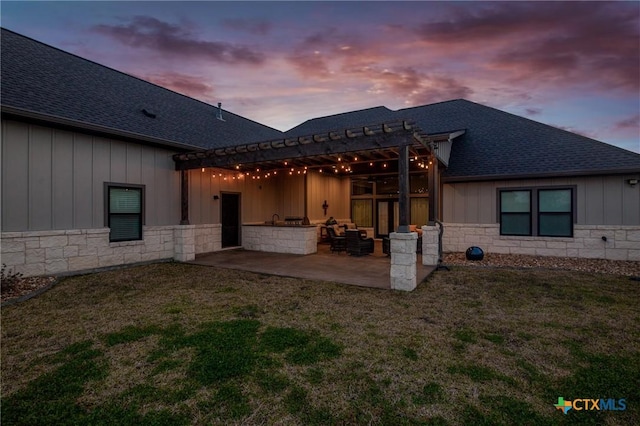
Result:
pixel 208 238
pixel 622 242
pixel 430 245
pixel 58 252
pixel 280 239
pixel 403 272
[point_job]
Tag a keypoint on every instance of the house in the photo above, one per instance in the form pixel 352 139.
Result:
pixel 101 169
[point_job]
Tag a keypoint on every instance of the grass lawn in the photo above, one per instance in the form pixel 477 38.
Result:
pixel 181 344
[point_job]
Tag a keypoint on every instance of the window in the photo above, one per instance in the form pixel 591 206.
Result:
pixel 361 187
pixel 124 211
pixel 555 213
pixel 553 207
pixel 515 212
pixel 419 211
pixel 386 185
pixel 418 184
pixel 362 213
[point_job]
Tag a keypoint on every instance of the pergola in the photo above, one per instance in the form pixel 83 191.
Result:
pixel 364 150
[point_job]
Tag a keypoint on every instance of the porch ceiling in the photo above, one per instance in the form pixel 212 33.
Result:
pixel 363 150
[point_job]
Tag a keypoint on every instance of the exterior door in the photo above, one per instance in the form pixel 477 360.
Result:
pixel 230 219
pixel 388 217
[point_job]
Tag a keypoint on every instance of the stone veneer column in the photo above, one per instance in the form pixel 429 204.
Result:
pixel 430 245
pixel 403 260
pixel 184 243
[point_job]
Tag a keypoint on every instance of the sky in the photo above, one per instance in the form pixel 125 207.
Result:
pixel 573 65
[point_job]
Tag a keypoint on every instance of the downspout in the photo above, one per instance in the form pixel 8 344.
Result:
pixel 434 187
pixel 184 197
pixel 306 197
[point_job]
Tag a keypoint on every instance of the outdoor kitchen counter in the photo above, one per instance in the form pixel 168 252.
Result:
pixel 280 238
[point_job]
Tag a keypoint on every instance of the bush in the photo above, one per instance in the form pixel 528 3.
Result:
pixel 8 279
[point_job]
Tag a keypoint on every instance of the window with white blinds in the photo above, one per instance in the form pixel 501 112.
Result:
pixel 124 216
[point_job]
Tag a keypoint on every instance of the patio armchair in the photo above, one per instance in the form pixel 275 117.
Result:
pixel 337 243
pixel 357 245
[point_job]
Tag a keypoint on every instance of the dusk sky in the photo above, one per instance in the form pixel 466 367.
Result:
pixel 574 65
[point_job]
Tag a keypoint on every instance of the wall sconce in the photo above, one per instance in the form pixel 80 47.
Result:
pixel 632 182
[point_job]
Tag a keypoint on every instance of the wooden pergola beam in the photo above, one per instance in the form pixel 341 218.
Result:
pixel 230 158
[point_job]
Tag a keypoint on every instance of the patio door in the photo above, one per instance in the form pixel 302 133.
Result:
pixel 388 214
pixel 230 219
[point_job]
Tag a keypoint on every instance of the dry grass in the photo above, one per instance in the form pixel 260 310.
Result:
pixel 448 352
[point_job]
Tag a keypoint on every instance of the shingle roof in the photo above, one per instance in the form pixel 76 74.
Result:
pixel 48 81
pixel 496 144
pixel 347 120
pixel 500 144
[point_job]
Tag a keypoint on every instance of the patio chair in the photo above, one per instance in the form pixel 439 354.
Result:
pixel 337 243
pixel 356 245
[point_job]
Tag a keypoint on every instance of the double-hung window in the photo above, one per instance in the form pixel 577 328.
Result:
pixel 555 213
pixel 515 212
pixel 544 212
pixel 125 211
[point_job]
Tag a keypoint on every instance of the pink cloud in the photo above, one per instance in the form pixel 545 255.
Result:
pixel 584 42
pixel 172 40
pixel 630 123
pixel 412 86
pixel 336 53
pixel 186 84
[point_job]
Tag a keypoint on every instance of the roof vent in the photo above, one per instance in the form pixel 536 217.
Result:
pixel 219 113
pixel 148 113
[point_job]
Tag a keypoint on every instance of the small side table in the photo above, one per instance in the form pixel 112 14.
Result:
pixel 324 235
pixel 386 246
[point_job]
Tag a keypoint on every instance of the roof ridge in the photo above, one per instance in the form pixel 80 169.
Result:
pixel 350 112
pixel 435 103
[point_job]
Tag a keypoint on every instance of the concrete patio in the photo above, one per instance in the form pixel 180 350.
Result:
pixel 366 271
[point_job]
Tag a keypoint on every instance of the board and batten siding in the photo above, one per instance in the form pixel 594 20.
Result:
pixel 600 200
pixel 335 190
pixel 260 198
pixel 54 179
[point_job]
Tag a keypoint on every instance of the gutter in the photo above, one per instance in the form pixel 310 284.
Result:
pixel 576 173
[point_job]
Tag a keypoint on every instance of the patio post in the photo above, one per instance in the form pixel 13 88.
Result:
pixel 184 197
pixel 403 186
pixel 403 273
